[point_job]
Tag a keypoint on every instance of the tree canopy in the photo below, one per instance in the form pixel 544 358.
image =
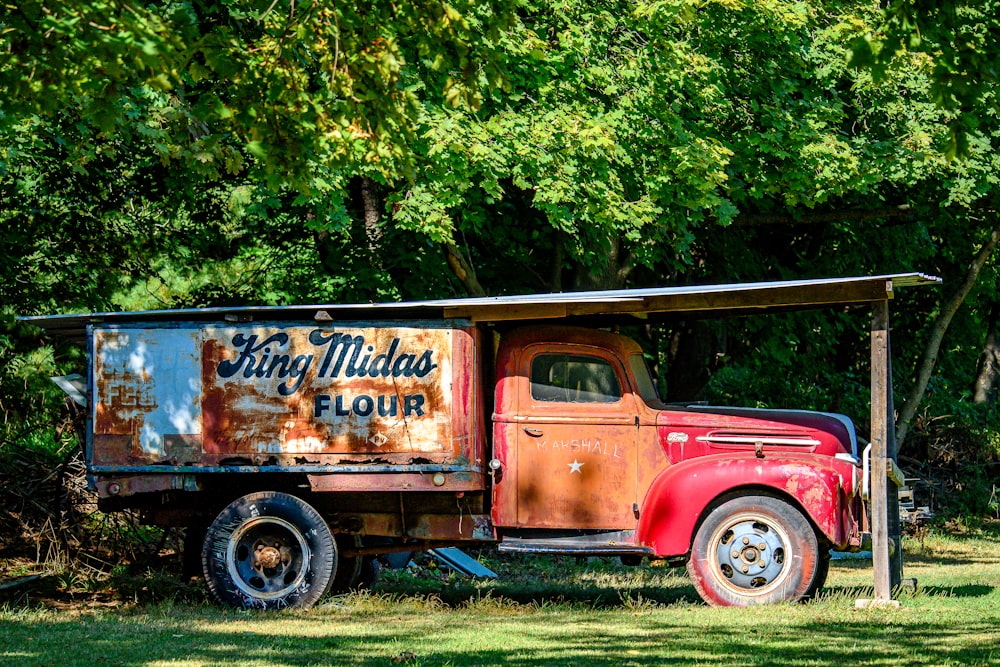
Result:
pixel 162 154
pixel 283 89
pixel 962 39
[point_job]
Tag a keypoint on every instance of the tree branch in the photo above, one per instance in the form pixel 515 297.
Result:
pixel 929 359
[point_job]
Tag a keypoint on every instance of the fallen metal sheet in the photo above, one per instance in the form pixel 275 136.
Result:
pixel 75 386
pixel 463 563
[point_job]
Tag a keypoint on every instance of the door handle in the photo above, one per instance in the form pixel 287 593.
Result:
pixel 533 432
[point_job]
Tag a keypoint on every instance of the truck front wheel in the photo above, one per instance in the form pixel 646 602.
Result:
pixel 754 550
pixel 268 550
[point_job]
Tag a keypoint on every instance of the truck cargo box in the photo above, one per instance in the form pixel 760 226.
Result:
pixel 286 395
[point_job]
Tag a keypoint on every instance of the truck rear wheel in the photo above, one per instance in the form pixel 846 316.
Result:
pixel 354 573
pixel 268 550
pixel 754 550
pixel 348 567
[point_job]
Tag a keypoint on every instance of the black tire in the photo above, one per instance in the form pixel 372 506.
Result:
pixel 822 572
pixel 268 550
pixel 754 550
pixel 369 574
pixel 348 567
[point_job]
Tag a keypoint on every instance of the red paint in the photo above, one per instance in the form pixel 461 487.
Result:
pixel 671 463
pixel 680 496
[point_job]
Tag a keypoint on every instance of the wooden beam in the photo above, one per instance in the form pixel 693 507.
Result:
pixel 766 298
pixel 896 480
pixel 887 557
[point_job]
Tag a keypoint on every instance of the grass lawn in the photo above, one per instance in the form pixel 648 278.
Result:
pixel 542 612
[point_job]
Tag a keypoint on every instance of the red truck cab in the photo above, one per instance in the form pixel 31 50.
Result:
pixel 588 460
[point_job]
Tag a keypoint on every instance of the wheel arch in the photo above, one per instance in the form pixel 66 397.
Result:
pixel 680 498
pixel 760 490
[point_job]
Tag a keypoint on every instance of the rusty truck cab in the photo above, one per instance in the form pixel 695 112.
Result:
pixel 588 460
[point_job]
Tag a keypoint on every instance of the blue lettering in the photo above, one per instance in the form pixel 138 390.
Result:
pixel 414 403
pixel 387 411
pixel 363 405
pixel 344 353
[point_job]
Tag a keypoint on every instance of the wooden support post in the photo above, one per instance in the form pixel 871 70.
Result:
pixel 896 481
pixel 887 552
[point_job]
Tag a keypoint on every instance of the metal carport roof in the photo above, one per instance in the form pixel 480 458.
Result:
pixel 706 300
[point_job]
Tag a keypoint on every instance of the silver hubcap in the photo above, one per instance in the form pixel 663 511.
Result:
pixel 752 555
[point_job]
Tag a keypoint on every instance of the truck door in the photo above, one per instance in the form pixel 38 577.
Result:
pixel 576 438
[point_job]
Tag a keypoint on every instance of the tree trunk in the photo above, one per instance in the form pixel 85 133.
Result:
pixel 612 274
pixel 371 216
pixel 988 368
pixel 372 212
pixel 463 270
pixel 929 359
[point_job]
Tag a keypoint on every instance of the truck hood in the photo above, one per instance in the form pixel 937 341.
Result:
pixel 755 422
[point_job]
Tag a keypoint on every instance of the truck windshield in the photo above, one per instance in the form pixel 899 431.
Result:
pixel 644 382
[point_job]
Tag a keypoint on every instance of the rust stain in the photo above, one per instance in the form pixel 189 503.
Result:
pixel 817 498
pixel 792 485
pixel 124 398
pixel 305 390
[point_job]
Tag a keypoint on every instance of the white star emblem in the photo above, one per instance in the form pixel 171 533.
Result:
pixel 575 467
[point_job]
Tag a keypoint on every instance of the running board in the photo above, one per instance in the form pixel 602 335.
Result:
pixel 607 544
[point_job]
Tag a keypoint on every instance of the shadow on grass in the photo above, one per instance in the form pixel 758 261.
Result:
pixel 847 593
pixel 543 612
pixel 969 591
pixel 550 637
pixel 544 580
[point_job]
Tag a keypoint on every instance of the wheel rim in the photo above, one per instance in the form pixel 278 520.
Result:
pixel 266 557
pixel 753 555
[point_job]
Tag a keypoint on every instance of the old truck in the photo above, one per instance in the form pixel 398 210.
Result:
pixel 296 442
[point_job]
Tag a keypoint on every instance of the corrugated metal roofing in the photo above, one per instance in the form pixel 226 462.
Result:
pixel 720 300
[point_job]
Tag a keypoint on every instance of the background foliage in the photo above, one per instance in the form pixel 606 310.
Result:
pixel 197 153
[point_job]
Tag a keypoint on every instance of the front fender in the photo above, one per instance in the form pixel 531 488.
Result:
pixel 678 497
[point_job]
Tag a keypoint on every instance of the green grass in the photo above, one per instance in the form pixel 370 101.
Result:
pixel 543 612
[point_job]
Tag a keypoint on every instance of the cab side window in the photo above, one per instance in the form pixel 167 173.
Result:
pixel 573 378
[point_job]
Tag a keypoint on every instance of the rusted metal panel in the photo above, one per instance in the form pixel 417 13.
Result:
pixel 576 462
pixel 284 395
pixel 135 484
pixel 652 456
pixel 426 526
pixel 503 469
pixel 580 474
pixel 380 481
